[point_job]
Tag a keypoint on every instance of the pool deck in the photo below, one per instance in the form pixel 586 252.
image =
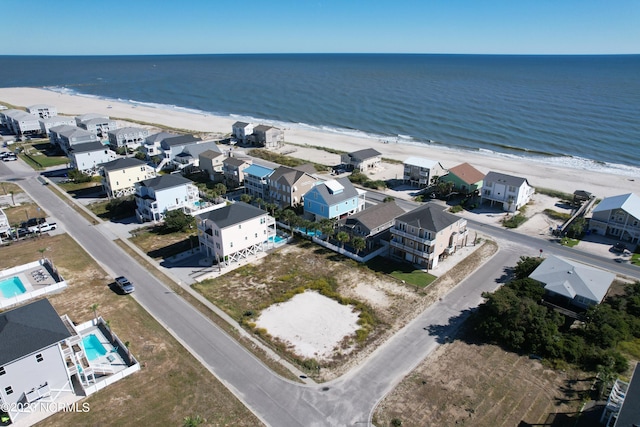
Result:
pixel 112 358
pixel 37 278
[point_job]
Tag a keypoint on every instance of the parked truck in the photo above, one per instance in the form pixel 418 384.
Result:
pixel 43 228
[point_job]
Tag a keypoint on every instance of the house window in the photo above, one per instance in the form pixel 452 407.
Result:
pixel 215 232
pixel 256 236
pixel 218 245
pixel 239 226
pixel 8 390
pixel 231 245
pixel 39 357
pixel 2 371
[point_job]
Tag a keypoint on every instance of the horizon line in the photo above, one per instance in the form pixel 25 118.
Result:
pixel 320 53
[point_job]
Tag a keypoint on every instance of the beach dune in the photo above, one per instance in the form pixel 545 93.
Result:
pixel 539 173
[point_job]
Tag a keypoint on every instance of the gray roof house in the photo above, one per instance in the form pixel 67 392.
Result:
pixel 131 137
pixel 336 198
pixel 579 284
pixel 287 186
pixel 362 160
pixel 65 136
pixel 152 143
pixel 210 161
pixel 88 157
pixel 617 217
pixel 233 171
pixel 373 223
pixel 511 192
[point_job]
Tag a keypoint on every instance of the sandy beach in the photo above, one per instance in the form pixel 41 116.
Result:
pixel 539 174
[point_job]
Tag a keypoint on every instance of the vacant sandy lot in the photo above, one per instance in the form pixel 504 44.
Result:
pixel 312 323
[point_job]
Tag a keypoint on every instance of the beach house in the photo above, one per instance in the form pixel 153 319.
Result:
pixel 42 111
pixel 156 196
pixel 287 186
pixel 210 161
pixel 361 160
pixel 511 192
pixel 88 156
pixel 571 282
pixel 233 170
pixel 256 181
pixel 234 232
pixel 152 143
pixel 50 122
pixel 617 217
pixel 240 131
pixel 336 198
pixel 267 136
pixel 66 136
pixel 45 358
pixel 20 122
pixel 372 224
pixel 426 235
pixel 98 124
pixel 420 172
pixel 129 137
pixel 465 178
pixel 120 176
pixel 188 156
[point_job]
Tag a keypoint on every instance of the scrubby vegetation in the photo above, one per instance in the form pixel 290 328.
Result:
pixel 362 179
pixel 514 317
pixel 282 159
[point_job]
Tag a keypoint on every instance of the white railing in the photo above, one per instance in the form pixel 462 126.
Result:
pixel 19 299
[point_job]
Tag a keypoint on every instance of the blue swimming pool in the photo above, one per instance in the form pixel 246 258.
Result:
pixel 277 239
pixel 11 287
pixel 93 347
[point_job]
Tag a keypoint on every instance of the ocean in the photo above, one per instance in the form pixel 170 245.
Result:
pixel 576 111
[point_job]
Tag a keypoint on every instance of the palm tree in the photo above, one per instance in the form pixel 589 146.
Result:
pixel 94 308
pixel 358 244
pixel 327 227
pixel 290 218
pixel 342 237
pixel 42 251
pixel 259 202
pixel 246 198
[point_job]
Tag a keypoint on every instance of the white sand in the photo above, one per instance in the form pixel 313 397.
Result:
pixel 539 174
pixel 312 323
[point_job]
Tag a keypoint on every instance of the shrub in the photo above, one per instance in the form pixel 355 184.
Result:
pixel 456 209
pixel 78 177
pixel 514 221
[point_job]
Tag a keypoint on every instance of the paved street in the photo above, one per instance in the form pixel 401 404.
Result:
pixel 348 400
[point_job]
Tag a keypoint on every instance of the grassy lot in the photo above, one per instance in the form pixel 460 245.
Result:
pixel 41 154
pixel 567 241
pixel 9 187
pixel 18 214
pixel 172 384
pixel 72 187
pixel 160 245
pixel 483 386
pixel 402 271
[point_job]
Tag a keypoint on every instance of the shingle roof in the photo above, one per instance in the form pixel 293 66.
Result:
pixel 630 203
pixel 233 214
pixel 367 153
pixel 210 154
pixel 570 278
pixel 348 192
pixel 467 173
pixel 124 163
pixel 27 329
pixel 429 217
pixel 234 161
pixel 165 181
pixel 262 128
pixel 240 125
pixel 126 130
pixel 159 137
pixel 375 216
pixel 87 147
pixel 288 175
pixel 180 140
pixel 307 168
pixel 505 179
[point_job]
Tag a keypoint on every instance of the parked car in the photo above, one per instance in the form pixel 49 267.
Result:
pixel 43 227
pixel 9 157
pixel 19 233
pixel 125 286
pixel 32 221
pixel 619 248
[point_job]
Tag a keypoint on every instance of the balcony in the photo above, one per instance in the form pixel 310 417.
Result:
pixel 411 250
pixel 413 237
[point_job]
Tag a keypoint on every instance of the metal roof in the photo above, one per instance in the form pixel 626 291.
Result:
pixel 630 203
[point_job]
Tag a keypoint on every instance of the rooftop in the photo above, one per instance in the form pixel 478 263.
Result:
pixel 232 214
pixel 165 181
pixel 429 217
pixel 467 173
pixel 502 178
pixel 630 203
pixel 124 163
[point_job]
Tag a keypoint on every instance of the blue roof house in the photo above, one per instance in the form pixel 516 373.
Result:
pixel 256 181
pixel 336 198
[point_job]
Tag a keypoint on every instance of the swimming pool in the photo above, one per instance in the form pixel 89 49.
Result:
pixel 277 239
pixel 93 347
pixel 12 287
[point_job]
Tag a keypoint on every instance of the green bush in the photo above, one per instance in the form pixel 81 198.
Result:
pixel 514 221
pixel 78 177
pixel 456 209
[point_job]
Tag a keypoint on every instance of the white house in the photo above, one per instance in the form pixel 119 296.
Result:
pixel 512 192
pixel 421 172
pixel 156 196
pixel 65 136
pixel 87 157
pixel 130 137
pixel 152 143
pixel 120 176
pixel 235 232
pixel 50 122
pixel 362 160
pixel 42 111
pixel 241 131
pixel 20 122
pixel 96 123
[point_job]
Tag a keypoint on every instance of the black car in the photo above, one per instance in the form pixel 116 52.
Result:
pixel 619 247
pixel 124 285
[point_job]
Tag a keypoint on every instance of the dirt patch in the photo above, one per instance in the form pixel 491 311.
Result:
pixel 481 385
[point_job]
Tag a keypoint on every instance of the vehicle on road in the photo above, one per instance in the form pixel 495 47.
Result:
pixel 619 247
pixel 124 285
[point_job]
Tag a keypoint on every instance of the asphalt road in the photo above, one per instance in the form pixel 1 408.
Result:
pixel 348 400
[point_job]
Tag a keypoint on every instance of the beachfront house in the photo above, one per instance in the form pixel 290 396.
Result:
pixel 120 176
pixel 50 122
pixel 127 137
pixel 152 143
pixel 336 198
pixel 156 196
pixel 20 122
pixel 287 186
pixel 571 282
pixel 96 123
pixel 66 136
pixel 42 111
pixel 233 170
pixel 512 192
pixel 267 136
pixel 465 178
pixel 256 181
pixel 420 172
pixel 210 161
pixel 623 405
pixel 426 235
pixel 361 160
pixel 371 224
pixel 87 157
pixel 44 359
pixel 234 232
pixel 617 217
pixel 188 158
pixel 240 131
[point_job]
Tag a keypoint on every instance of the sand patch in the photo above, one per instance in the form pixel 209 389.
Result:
pixel 312 323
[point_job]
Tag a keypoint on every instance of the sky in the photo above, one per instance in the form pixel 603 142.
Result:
pixel 99 27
